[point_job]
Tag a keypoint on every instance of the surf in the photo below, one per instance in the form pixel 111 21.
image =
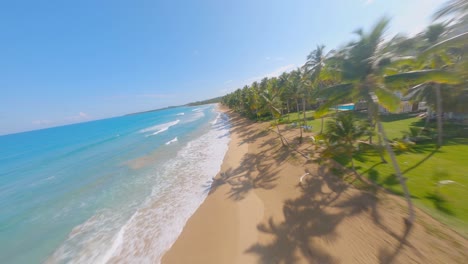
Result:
pixel 159 128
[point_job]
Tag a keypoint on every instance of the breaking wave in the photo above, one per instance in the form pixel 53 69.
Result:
pixel 159 128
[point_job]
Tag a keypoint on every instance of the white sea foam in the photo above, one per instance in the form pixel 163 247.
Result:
pixel 171 141
pixel 194 116
pixel 180 114
pixel 159 128
pixel 199 109
pixel 142 233
pixel 157 132
pixel 216 119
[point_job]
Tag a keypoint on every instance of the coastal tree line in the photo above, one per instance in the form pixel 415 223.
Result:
pixel 430 67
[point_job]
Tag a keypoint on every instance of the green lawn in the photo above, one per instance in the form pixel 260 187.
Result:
pixel 314 123
pixel 424 166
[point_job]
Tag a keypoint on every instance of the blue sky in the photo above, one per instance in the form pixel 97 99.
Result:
pixel 64 62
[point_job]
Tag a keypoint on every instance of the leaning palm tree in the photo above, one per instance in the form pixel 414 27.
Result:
pixel 271 99
pixel 361 69
pixel 361 65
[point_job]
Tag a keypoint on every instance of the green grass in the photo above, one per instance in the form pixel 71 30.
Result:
pixel 404 121
pixel 424 166
pixel 314 123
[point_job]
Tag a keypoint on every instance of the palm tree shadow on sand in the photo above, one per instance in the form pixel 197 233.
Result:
pixel 249 175
pixel 305 219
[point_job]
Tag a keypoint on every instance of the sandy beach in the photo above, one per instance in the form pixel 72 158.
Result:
pixel 257 211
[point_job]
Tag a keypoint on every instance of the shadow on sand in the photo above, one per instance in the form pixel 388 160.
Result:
pixel 253 172
pixel 321 206
pixel 316 214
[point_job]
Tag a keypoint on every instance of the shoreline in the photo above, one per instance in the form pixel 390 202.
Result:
pixel 163 188
pixel 258 212
pixel 227 212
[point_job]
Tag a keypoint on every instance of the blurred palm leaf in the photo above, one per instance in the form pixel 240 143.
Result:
pixel 387 99
pixel 416 77
pixel 457 41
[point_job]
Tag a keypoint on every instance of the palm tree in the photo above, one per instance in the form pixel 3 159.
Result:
pixel 286 95
pixel 435 69
pixel 255 94
pixel 456 8
pixel 295 87
pixel 361 69
pixel 304 88
pixel 344 131
pixel 361 72
pixel 434 32
pixel 271 99
pixel 457 13
pixel 316 61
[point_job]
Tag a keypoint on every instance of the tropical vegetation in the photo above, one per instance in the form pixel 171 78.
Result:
pixel 375 74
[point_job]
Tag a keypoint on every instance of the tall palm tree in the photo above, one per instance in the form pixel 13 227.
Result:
pixel 272 102
pixel 286 95
pixel 361 72
pixel 305 85
pixel 433 70
pixel 255 93
pixel 295 87
pixel 316 61
pixel 361 69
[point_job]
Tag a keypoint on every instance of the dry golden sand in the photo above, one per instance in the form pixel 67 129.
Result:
pixel 257 212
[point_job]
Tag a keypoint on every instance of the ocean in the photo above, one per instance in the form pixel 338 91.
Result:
pixel 118 189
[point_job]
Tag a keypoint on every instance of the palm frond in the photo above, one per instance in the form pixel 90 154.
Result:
pixel 416 77
pixel 387 99
pixel 459 40
pixel 452 7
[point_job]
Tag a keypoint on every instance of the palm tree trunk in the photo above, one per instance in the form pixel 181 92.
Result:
pixel 297 109
pixel 321 126
pixel 380 146
pixel 277 128
pixel 304 110
pixel 304 115
pixel 298 115
pixel 279 134
pixel 352 163
pixel 370 113
pixel 287 105
pixel 439 116
pixel 410 219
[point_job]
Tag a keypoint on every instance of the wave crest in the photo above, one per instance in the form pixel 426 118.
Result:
pixel 159 128
pixel 171 141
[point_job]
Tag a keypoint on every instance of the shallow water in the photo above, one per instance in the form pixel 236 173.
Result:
pixel 119 188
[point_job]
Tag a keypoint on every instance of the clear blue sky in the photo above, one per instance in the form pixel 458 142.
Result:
pixel 72 61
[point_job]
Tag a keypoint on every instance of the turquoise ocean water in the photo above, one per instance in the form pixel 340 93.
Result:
pixel 107 190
